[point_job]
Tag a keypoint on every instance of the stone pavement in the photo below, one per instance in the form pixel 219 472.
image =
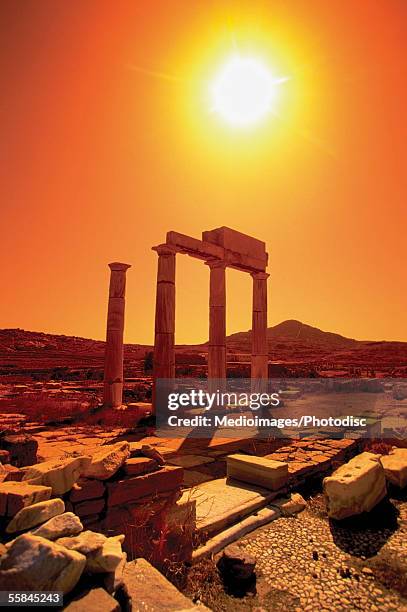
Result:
pixel 311 564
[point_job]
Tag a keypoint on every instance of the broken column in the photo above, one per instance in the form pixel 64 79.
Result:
pixel 259 326
pixel 164 339
pixel 113 378
pixel 217 320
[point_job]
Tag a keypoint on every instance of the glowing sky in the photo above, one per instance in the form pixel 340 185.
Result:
pixel 109 139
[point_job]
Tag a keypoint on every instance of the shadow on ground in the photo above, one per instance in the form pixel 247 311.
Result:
pixel 364 535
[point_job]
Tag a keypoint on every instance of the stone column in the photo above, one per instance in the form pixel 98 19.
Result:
pixel 113 379
pixel 164 338
pixel 259 326
pixel 217 320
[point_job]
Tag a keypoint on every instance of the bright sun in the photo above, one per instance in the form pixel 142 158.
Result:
pixel 243 91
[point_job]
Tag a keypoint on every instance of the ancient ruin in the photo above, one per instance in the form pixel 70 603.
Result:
pixel 219 248
pixel 113 377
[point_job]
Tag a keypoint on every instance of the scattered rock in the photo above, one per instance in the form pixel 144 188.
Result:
pixel 32 563
pixel 113 580
pixel 67 524
pixel 60 475
pixel 152 453
pixel 106 462
pixel 35 515
pixel 355 487
pixel 296 503
pixel 102 554
pixel 236 564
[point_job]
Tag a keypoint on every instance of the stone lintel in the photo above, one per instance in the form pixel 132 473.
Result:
pixel 237 242
pixel 202 249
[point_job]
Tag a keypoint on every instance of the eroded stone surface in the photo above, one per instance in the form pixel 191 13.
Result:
pixel 131 489
pixel 149 590
pixel 137 466
pixel 60 475
pixel 395 467
pixel 36 514
pixel 355 487
pixel 67 524
pixel 102 554
pixel 94 600
pixel 107 461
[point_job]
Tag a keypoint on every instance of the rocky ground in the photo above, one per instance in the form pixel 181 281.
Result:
pixel 309 563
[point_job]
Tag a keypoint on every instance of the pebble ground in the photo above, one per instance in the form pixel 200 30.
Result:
pixel 314 564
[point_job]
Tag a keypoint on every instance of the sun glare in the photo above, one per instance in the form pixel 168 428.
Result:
pixel 243 91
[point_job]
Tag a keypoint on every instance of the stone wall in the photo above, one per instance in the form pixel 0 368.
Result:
pixel 72 524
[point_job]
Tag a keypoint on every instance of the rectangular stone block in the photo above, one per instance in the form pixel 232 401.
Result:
pixel 130 489
pixel 89 507
pixel 237 242
pixel 355 487
pixel 194 247
pixel 272 475
pixel 143 583
pixel 140 465
pixel 17 495
pixel 86 488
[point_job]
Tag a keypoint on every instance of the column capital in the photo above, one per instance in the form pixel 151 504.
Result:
pixel 165 250
pixel 259 275
pixel 116 266
pixel 215 263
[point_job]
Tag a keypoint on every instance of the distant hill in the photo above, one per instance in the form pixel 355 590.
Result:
pixel 288 342
pixel 295 331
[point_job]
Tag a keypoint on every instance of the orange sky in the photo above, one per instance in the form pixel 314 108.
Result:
pixel 107 142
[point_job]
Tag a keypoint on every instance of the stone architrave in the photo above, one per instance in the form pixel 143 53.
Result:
pixel 219 248
pixel 113 378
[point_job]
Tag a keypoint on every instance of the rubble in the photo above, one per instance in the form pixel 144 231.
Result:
pixel 106 462
pixel 60 475
pixel 32 563
pixel 67 524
